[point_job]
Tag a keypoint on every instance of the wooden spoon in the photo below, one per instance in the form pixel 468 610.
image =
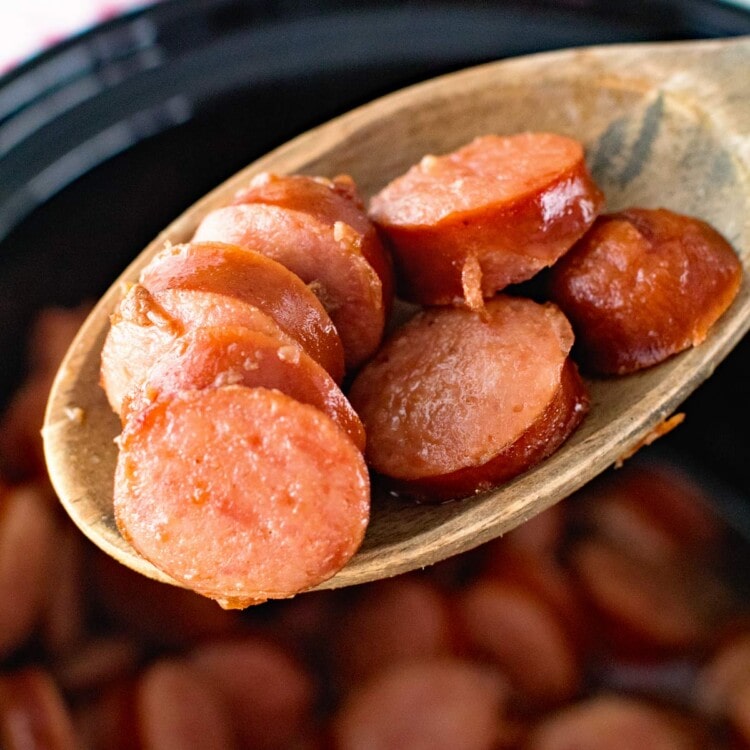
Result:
pixel 664 125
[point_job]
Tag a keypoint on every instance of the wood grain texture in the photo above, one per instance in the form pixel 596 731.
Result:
pixel 663 124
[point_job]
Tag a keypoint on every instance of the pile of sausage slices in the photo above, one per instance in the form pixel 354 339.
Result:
pixel 243 467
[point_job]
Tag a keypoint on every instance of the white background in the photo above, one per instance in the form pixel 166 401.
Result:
pixel 26 26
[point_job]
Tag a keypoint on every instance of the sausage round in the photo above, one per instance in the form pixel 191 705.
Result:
pixel 524 637
pixel 543 577
pixel 29 539
pixel 33 713
pixel 145 326
pixel 617 723
pixel 456 402
pixel 179 710
pixel 493 213
pixel 270 695
pixel 241 494
pixel 426 704
pixel 647 606
pixel 234 355
pixel 395 620
pixel 330 201
pixel 725 675
pixel 643 285
pixel 321 233
pixel 264 283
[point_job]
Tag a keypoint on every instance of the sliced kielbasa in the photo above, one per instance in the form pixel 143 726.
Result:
pixel 614 722
pixel 519 632
pixel 544 577
pixel 241 494
pixel 493 213
pixel 648 607
pixel 427 704
pixel 177 709
pixel 654 511
pixel 397 620
pixel 643 285
pixel 145 326
pixel 29 538
pixel 234 355
pixel 329 200
pixel 254 278
pixel 33 713
pixel 270 695
pixel 725 676
pixel 323 235
pixel 456 402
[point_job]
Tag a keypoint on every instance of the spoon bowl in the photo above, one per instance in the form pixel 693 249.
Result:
pixel 664 125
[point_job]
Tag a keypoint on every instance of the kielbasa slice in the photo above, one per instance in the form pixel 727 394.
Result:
pixel 545 578
pixel 724 676
pixel 457 402
pixel 264 283
pixel 647 606
pixel 396 620
pixel 234 355
pixel 29 538
pixel 270 695
pixel 33 713
pixel 522 635
pixel 319 230
pixel 179 710
pixel 654 511
pixel 440 704
pixel 643 285
pixel 145 326
pixel 157 616
pixel 241 494
pixel 493 213
pixel 614 722
pixel 329 201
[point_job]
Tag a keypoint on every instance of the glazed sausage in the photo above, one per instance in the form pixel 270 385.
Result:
pixel 264 283
pixel 21 450
pixel 456 402
pixel 647 606
pixel 433 704
pixel 655 511
pixel 493 213
pixel 329 200
pixel 28 543
pixel 643 285
pixel 96 663
pixel 522 635
pixel 178 710
pixel 740 712
pixel 545 578
pixel 234 355
pixel 270 695
pixel 64 618
pixel 146 326
pixel 398 620
pixel 241 494
pixel 109 720
pixel 33 713
pixel 725 676
pixel 323 235
pixel 617 723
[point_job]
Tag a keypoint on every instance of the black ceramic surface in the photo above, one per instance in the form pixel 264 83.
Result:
pixel 106 138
